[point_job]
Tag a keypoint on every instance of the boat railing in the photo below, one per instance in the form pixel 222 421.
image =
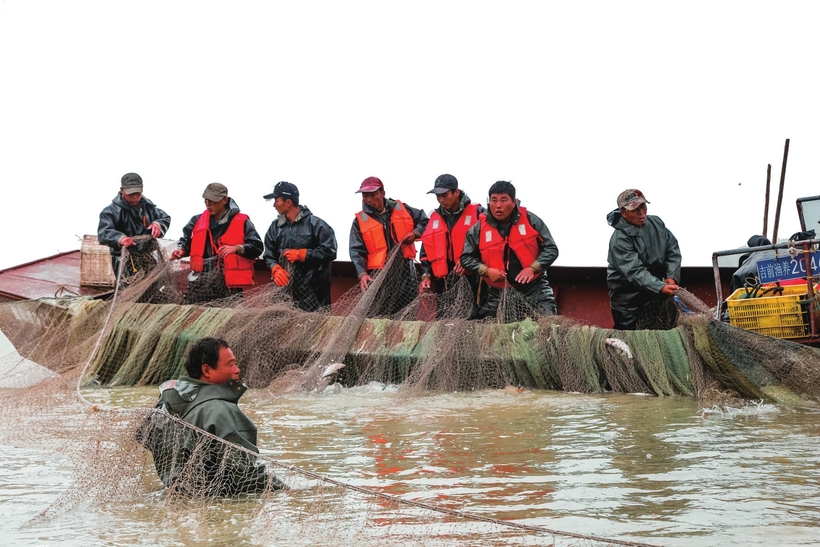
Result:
pixel 806 246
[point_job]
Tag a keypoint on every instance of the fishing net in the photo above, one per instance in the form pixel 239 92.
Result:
pixel 56 353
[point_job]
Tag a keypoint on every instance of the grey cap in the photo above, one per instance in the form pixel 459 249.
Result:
pixel 215 192
pixel 131 183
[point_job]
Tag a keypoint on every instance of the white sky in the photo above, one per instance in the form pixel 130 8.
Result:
pixel 572 101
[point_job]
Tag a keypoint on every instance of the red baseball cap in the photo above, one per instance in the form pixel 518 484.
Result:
pixel 370 184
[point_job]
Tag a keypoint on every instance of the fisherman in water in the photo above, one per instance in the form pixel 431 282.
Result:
pixel 207 399
pixel 644 266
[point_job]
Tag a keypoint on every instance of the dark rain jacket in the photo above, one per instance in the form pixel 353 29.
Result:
pixel 305 232
pixel 251 249
pixel 538 291
pixel 450 219
pixel 120 219
pixel 358 250
pixel 747 266
pixel 221 470
pixel 640 260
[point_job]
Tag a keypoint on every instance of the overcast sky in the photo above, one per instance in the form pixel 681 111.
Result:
pixel 571 101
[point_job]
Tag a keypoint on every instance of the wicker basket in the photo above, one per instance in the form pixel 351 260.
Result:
pixel 95 264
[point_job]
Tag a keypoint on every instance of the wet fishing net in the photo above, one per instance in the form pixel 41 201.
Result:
pixel 58 353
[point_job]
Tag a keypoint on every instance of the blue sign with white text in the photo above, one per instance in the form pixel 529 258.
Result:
pixel 781 269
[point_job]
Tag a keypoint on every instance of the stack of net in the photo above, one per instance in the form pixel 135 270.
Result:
pixel 421 344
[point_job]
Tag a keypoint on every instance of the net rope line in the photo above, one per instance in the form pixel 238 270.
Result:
pixel 316 476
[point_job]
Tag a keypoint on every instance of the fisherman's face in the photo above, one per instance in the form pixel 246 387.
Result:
pixel 131 199
pixel 636 217
pixel 226 368
pixel 449 200
pixel 282 206
pixel 216 208
pixel 501 206
pixel 374 200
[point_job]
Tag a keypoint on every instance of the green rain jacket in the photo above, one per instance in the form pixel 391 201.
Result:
pixel 219 469
pixel 640 259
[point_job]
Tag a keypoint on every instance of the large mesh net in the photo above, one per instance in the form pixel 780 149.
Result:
pixel 57 351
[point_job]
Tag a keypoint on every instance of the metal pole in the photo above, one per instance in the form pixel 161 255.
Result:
pixel 780 193
pixel 809 287
pixel 766 206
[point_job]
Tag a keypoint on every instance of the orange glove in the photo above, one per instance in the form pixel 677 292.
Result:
pixel 280 276
pixel 295 255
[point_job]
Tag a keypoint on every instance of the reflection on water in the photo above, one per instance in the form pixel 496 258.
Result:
pixel 657 470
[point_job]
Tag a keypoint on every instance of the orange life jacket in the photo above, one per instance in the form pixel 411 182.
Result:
pixel 238 270
pixel 401 224
pixel 523 241
pixel 441 245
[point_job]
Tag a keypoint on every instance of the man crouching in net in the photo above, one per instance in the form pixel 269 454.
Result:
pixel 189 461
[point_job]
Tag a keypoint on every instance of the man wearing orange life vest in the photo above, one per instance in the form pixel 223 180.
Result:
pixel 381 225
pixel 222 244
pixel 511 248
pixel 443 239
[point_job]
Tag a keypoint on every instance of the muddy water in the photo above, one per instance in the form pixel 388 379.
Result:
pixel 658 470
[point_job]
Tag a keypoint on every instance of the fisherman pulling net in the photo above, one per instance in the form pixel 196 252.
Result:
pixel 141 337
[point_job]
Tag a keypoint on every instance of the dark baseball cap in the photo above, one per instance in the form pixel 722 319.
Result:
pixel 444 184
pixel 131 183
pixel 285 190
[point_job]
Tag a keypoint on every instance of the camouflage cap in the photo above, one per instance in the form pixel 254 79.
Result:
pixel 631 199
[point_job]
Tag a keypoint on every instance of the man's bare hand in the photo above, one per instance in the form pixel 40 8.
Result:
pixel 226 250
pixel 526 275
pixel 669 290
pixel 496 276
pixel 365 282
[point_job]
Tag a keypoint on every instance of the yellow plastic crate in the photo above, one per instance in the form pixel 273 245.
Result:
pixel 95 264
pixel 785 316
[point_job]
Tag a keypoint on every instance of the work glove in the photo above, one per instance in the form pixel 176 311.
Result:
pixel 295 255
pixel 280 276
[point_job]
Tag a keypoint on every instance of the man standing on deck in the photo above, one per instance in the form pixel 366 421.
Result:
pixel 443 240
pixel 380 226
pixel 511 247
pixel 644 266
pixel 307 242
pixel 131 214
pixel 223 244
pixel 207 399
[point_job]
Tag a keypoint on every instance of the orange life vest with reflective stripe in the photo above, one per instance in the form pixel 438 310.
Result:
pixel 441 245
pixel 523 241
pixel 238 270
pixel 401 224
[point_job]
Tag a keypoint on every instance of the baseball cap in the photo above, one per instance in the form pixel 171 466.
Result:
pixel 131 183
pixel 444 184
pixel 215 192
pixel 284 189
pixel 631 199
pixel 370 184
